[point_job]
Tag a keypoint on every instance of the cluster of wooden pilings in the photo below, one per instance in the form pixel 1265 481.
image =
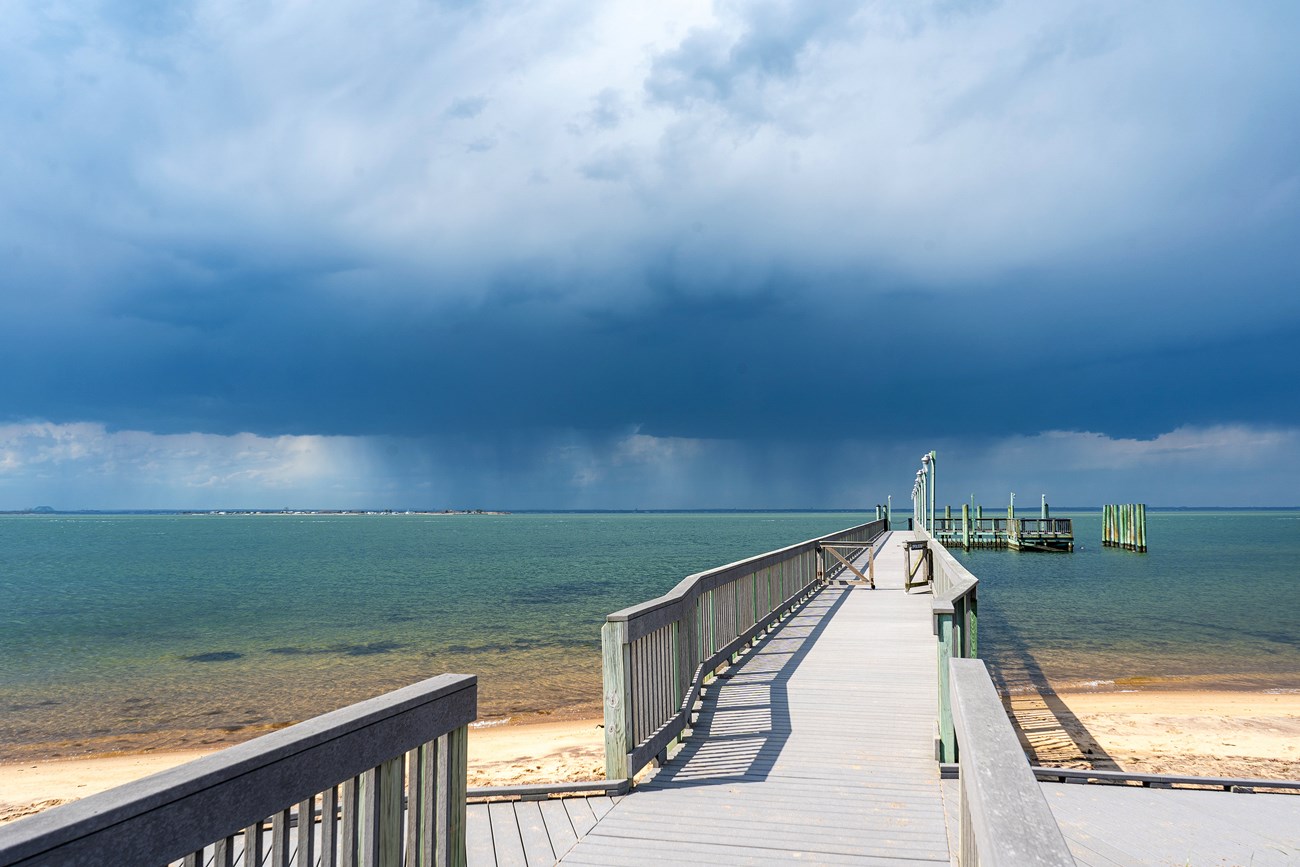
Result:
pixel 1124 525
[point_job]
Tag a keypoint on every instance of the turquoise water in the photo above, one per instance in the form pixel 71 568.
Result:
pixel 131 631
pixel 137 631
pixel 1214 602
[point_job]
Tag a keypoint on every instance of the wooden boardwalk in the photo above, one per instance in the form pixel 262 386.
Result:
pixel 819 748
pixel 1126 825
pixel 530 833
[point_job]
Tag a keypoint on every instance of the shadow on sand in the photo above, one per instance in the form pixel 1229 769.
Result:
pixel 1049 731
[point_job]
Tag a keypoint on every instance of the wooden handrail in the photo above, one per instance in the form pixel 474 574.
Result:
pixel 656 655
pixel 352 765
pixel 1005 818
pixel 955 611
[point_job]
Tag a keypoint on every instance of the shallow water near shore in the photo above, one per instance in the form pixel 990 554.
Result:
pixel 139 632
pixel 1214 604
pixel 131 632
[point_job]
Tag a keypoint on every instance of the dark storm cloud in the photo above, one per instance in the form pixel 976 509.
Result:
pixel 777 225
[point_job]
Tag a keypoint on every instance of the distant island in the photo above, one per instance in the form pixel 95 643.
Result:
pixel 48 510
pixel 342 512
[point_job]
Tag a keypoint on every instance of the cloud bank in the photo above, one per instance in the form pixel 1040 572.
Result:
pixel 86 466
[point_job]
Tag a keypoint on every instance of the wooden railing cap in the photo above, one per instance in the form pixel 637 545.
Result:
pixel 689 586
pixel 1010 818
pixel 454 693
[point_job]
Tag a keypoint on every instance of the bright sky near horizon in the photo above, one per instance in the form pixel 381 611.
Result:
pixel 648 254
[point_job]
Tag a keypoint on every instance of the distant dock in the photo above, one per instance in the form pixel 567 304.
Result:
pixel 1043 533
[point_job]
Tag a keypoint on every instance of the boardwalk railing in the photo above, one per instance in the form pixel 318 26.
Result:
pixel 1047 526
pixel 999 525
pixel 956 624
pixel 1005 819
pixel 656 655
pixel 351 770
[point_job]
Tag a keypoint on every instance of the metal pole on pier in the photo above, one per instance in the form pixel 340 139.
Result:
pixel 934 462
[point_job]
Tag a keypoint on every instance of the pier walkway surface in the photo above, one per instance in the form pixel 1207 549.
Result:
pixel 817 749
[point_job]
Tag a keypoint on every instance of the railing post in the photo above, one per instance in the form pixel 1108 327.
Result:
pixel 959 628
pixel 457 782
pixel 972 624
pixel 616 668
pixel 947 735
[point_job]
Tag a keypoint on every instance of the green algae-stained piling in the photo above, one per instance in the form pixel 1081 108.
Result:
pixel 1124 525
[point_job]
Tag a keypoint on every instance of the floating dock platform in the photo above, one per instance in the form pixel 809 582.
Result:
pixel 1043 533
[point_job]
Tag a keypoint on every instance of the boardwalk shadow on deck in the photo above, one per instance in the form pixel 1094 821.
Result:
pixel 728 743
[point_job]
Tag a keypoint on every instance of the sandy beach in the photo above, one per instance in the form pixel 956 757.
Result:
pixel 1203 733
pixel 1213 733
pixel 498 755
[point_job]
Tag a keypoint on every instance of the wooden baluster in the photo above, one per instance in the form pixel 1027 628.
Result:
pixel 223 852
pixel 412 858
pixel 329 827
pixel 347 846
pixel 254 850
pixel 306 850
pixel 457 754
pixel 280 839
pixel 379 825
pixel 430 794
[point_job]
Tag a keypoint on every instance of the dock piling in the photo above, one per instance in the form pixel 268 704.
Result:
pixel 1124 525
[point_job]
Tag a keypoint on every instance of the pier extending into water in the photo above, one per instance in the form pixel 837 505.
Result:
pixel 973 530
pixel 796 706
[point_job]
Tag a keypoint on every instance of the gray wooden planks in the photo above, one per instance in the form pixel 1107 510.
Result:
pixel 530 832
pixel 506 839
pixel 558 826
pixel 479 851
pixel 1132 825
pixel 818 748
pixel 581 815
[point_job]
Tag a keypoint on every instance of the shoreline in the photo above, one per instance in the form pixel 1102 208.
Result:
pixel 1252 734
